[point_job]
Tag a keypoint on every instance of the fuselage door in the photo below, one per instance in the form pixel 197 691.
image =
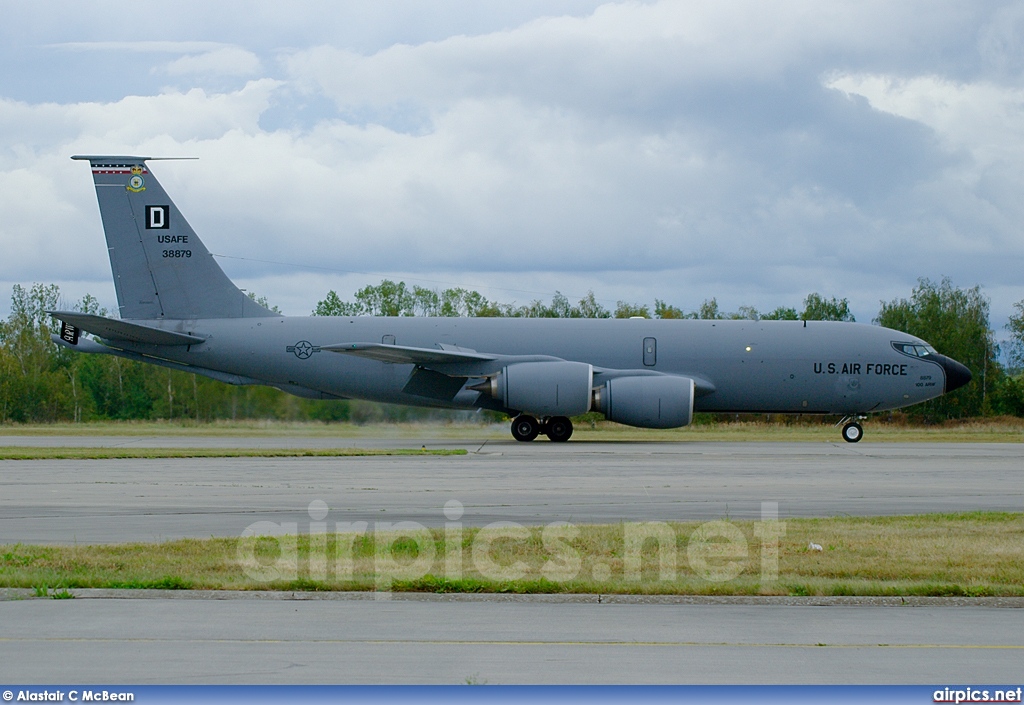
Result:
pixel 650 352
pixel 388 340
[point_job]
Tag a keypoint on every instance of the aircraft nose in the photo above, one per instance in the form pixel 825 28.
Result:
pixel 957 375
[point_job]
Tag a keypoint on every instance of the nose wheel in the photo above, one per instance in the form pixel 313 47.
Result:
pixel 853 432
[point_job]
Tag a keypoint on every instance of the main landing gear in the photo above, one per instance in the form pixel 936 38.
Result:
pixel 852 430
pixel 556 428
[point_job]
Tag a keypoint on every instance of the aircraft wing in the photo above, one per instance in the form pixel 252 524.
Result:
pixel 460 363
pixel 114 329
pixel 403 354
pixel 446 359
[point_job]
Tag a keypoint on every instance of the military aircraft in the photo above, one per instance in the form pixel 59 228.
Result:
pixel 179 310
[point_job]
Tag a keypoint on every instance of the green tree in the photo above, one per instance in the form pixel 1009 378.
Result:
pixel 477 305
pixel 818 308
pixel 954 321
pixel 588 307
pixel 332 305
pixel 37 385
pixel 708 310
pixel 428 302
pixel 261 300
pixel 624 309
pixel 1016 328
pixel 1008 395
pixel 116 387
pixel 396 299
pixel 90 304
pixel 782 313
pixel 452 303
pixel 560 306
pixel 387 299
pixel 10 390
pixel 663 310
pixel 745 313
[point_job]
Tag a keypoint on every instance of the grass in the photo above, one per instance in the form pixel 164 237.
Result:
pixel 252 428
pixel 72 453
pixel 999 430
pixel 972 554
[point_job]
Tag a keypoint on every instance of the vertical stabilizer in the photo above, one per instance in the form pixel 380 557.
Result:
pixel 161 268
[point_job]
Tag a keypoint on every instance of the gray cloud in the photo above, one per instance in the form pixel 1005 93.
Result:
pixel 747 151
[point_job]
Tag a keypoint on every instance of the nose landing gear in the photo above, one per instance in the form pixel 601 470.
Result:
pixel 852 430
pixel 557 428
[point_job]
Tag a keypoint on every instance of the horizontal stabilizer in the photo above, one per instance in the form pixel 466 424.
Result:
pixel 113 329
pixel 403 355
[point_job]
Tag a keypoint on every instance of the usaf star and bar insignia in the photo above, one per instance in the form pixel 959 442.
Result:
pixel 303 349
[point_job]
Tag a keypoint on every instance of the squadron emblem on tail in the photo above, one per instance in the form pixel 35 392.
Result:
pixel 137 184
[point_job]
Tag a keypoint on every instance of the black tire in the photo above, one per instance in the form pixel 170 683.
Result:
pixel 525 428
pixel 852 432
pixel 558 429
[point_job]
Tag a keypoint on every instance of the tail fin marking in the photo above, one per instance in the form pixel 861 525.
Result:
pixel 161 268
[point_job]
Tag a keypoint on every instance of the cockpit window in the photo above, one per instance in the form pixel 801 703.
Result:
pixel 914 350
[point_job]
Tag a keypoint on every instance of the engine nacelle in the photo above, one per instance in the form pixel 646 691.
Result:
pixel 558 388
pixel 647 402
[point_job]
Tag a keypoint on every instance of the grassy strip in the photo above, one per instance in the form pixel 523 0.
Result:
pixel 973 554
pixel 254 429
pixel 69 453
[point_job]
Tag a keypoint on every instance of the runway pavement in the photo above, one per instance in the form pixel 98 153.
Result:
pixel 443 640
pixel 449 640
pixel 109 501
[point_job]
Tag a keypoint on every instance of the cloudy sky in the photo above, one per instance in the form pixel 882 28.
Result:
pixel 750 151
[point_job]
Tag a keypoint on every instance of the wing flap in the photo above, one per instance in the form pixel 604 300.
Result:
pixel 435 385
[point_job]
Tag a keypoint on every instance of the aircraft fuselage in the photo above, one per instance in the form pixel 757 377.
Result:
pixel 814 367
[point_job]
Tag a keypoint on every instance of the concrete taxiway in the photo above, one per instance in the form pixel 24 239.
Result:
pixel 108 501
pixel 195 638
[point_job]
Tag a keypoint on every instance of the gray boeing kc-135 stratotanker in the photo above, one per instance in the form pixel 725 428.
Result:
pixel 178 309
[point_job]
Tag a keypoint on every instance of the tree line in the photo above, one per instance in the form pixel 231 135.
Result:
pixel 396 299
pixel 43 382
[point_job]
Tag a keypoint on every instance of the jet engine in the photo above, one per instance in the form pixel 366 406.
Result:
pixel 661 401
pixel 558 388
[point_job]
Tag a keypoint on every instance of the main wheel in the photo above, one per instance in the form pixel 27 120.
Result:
pixel 525 428
pixel 558 429
pixel 852 432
